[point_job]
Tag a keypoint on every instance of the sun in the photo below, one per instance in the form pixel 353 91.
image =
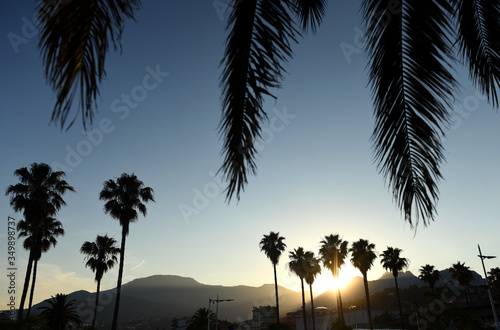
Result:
pixel 325 281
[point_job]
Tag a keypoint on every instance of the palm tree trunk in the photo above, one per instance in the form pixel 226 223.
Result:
pixel 303 304
pixel 35 264
pixel 119 283
pixel 367 294
pixel 26 285
pixel 341 305
pixel 399 303
pixel 276 291
pixel 312 306
pixel 96 303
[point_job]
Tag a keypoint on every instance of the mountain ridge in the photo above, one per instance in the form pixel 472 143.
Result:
pixel 177 296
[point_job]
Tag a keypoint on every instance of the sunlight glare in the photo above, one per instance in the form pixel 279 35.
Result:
pixel 325 280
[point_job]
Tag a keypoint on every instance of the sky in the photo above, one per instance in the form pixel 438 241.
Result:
pixel 159 110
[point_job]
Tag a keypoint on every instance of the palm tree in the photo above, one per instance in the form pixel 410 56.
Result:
pixel 392 261
pixel 362 257
pixel 38 196
pixel 297 265
pixel 494 280
pixel 410 48
pixel 429 275
pixel 312 269
pixel 100 257
pixel 200 319
pixel 333 253
pixel 124 197
pixel 463 276
pixel 273 246
pixel 51 229
pixel 61 313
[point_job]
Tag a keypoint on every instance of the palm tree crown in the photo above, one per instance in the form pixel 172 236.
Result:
pixel 50 230
pixel 39 193
pixel 461 274
pixel 362 255
pixel 100 255
pixel 392 261
pixel 61 313
pixel 273 246
pixel 124 197
pixel 429 275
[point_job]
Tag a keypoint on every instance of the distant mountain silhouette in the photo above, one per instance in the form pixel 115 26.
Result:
pixel 176 296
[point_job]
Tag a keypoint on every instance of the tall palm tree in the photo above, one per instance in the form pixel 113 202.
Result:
pixel 39 196
pixel 463 276
pixel 297 265
pixel 362 257
pixel 124 197
pixel 50 230
pixel 429 275
pixel 411 48
pixel 392 261
pixel 313 269
pixel 333 252
pixel 273 246
pixel 61 314
pixel 101 257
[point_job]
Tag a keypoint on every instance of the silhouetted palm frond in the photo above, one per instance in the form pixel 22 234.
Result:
pixel 478 31
pixel 74 41
pixel 310 13
pixel 409 50
pixel 257 47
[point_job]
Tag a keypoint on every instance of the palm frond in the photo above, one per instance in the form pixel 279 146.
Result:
pixel 257 46
pixel 310 13
pixel 74 41
pixel 479 28
pixel 409 52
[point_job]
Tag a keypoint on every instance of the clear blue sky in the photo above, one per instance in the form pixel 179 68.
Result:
pixel 315 171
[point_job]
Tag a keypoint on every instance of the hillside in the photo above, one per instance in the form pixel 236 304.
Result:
pixel 176 296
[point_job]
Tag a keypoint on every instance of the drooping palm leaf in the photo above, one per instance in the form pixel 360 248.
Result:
pixel 478 31
pixel 257 47
pixel 409 52
pixel 310 13
pixel 74 40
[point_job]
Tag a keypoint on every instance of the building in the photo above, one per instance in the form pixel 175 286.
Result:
pixel 263 316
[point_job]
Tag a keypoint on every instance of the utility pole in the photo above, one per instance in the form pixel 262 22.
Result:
pixel 217 301
pixel 488 285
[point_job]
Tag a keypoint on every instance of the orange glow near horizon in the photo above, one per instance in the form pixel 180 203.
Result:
pixel 325 281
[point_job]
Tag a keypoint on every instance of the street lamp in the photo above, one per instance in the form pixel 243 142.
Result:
pixel 488 285
pixel 217 301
